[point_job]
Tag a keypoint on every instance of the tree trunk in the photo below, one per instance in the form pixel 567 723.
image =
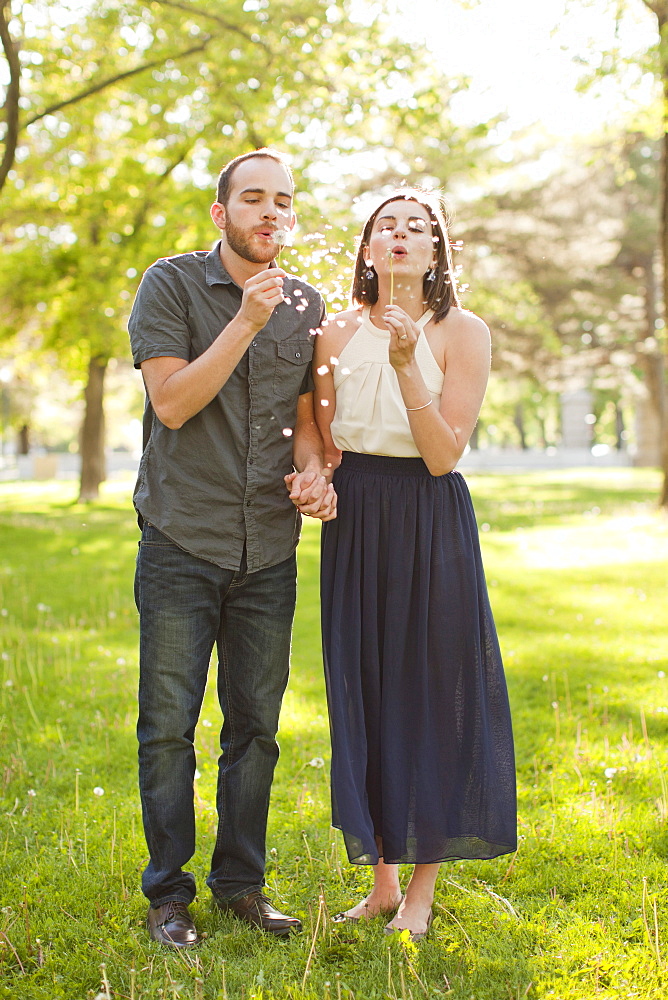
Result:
pixel 661 11
pixel 93 466
pixel 518 420
pixel 650 359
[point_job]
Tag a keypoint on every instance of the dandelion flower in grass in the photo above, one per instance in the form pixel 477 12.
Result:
pixel 98 791
pixel 316 762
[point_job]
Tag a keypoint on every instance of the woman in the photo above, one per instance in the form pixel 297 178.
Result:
pixel 422 753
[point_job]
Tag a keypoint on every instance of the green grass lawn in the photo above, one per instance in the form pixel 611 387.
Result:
pixel 577 564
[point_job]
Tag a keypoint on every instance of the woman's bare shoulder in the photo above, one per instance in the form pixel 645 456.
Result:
pixel 339 328
pixel 462 323
pixel 349 319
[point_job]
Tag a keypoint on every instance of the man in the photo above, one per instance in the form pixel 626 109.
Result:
pixel 224 341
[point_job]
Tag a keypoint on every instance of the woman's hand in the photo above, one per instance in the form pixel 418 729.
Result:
pixel 403 336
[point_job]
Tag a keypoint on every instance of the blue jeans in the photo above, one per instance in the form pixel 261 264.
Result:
pixel 186 605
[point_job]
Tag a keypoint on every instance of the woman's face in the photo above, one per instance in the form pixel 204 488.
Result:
pixel 401 232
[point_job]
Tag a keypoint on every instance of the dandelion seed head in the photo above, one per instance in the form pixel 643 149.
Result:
pixel 32 793
pixel 316 762
pixel 98 791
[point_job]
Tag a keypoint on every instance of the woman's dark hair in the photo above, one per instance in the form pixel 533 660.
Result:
pixel 441 292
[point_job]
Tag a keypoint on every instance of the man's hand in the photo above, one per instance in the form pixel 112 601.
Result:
pixel 311 494
pixel 262 293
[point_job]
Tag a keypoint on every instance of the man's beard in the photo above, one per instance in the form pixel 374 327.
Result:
pixel 239 241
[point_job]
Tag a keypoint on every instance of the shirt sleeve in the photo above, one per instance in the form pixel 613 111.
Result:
pixel 158 323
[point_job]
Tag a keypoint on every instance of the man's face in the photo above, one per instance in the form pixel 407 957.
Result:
pixel 259 208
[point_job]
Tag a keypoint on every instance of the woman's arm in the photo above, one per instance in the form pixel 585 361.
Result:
pixel 328 345
pixel 441 434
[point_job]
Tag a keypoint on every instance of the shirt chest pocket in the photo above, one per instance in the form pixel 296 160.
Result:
pixel 292 359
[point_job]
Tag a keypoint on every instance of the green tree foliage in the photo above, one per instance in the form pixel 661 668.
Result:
pixel 652 121
pixel 119 116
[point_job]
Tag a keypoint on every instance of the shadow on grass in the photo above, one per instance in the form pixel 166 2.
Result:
pixel 506 503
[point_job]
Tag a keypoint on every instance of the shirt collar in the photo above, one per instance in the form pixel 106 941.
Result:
pixel 215 270
pixel 216 273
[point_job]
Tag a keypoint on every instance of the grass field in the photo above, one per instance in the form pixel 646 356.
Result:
pixel 577 565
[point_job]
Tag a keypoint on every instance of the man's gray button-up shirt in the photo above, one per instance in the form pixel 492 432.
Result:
pixel 216 484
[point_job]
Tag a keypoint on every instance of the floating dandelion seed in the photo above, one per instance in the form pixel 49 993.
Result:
pixel 322 370
pixel 324 402
pixel 287 432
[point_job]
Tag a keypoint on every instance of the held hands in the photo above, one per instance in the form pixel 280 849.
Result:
pixel 311 495
pixel 262 293
pixel 403 336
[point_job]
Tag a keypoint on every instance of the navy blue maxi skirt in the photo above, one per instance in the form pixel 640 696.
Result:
pixel 422 748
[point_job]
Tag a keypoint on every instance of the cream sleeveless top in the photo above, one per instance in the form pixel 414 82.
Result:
pixel 370 415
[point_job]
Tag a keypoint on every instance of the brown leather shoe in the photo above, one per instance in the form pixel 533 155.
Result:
pixel 256 909
pixel 172 924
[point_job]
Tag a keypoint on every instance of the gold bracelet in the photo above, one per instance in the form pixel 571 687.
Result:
pixel 423 407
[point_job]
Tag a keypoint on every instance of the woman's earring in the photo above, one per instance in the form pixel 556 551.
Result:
pixel 432 274
pixel 369 274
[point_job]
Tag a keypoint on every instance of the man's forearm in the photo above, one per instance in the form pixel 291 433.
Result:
pixel 308 451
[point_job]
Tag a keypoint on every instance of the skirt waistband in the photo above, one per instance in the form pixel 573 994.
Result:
pixel 388 465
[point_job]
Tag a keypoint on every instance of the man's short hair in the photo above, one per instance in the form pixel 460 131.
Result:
pixel 225 176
